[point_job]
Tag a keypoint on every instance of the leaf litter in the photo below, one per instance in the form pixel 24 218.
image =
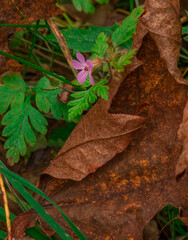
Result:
pixel 21 12
pixel 114 186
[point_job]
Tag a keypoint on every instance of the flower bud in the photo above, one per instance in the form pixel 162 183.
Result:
pixel 124 50
pixel 96 63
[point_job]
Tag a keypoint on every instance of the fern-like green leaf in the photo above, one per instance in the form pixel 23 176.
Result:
pixel 101 89
pixel 83 99
pixel 81 102
pixel 46 99
pixel 125 31
pixel 123 60
pixel 12 92
pixel 20 122
pixel 100 47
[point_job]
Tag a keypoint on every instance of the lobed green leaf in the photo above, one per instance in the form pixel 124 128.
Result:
pixel 12 92
pixel 19 130
pixel 46 99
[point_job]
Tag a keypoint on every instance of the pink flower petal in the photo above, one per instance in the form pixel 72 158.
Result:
pixel 80 57
pixel 81 77
pixel 77 65
pixel 90 64
pixel 91 78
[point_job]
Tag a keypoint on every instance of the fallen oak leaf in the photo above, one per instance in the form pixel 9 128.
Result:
pixel 95 140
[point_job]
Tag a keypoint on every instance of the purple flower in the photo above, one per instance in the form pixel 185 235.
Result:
pixel 85 65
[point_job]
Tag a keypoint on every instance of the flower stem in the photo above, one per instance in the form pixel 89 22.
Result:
pixel 109 67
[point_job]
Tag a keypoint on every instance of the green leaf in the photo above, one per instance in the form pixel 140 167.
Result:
pixel 46 99
pixel 123 60
pixel 12 92
pixel 125 31
pixel 18 128
pixel 82 40
pixel 16 40
pixel 185 29
pixel 100 47
pixel 101 89
pixel 102 1
pixel 60 135
pixel 3 215
pixel 3 235
pixel 83 99
pixel 86 5
pixel 186 38
pixel 81 102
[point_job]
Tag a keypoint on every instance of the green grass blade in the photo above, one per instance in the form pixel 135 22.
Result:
pixel 3 235
pixel 3 217
pixel 31 48
pixel 36 233
pixel 183 56
pixel 38 208
pixel 22 25
pixel 131 3
pixel 40 47
pixel 39 68
pixel 30 186
pixel 137 3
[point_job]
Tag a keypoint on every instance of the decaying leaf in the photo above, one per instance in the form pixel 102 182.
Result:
pixel 6 64
pixel 117 200
pixel 161 20
pixel 21 12
pixel 95 141
pixel 182 164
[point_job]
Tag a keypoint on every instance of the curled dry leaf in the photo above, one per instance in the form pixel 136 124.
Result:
pixel 182 164
pixel 12 12
pixel 95 140
pixel 121 197
pixel 32 219
pixel 161 20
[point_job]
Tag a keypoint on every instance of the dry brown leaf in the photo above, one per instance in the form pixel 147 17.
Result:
pixel 95 140
pixel 182 164
pixel 11 12
pixel 120 198
pixel 161 20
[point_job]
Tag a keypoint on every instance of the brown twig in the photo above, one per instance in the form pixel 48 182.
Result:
pixel 7 213
pixel 62 43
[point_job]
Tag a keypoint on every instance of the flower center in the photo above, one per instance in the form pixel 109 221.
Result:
pixel 86 68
